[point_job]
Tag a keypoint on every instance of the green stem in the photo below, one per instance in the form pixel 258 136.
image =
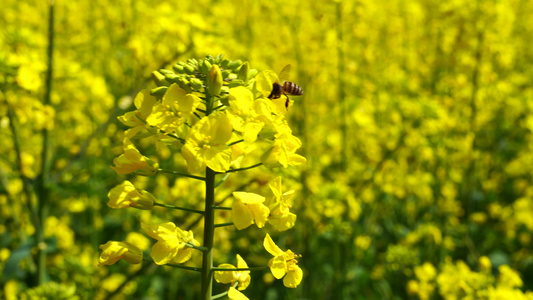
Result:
pixel 224 293
pixel 203 249
pixel 221 181
pixel 209 220
pixel 180 208
pixel 247 168
pixel 236 142
pixel 209 233
pixel 241 269
pixel 221 207
pixel 181 174
pixel 223 224
pixel 43 191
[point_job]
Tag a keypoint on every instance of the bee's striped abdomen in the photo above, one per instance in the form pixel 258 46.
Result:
pixel 292 88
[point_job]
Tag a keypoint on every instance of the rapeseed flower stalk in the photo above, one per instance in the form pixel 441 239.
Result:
pixel 216 114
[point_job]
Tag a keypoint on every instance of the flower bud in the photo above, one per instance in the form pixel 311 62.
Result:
pixel 244 72
pixel 158 92
pixel 184 84
pixel 234 64
pixel 189 69
pixel 159 79
pixel 196 83
pixel 178 68
pixel 206 66
pixel 214 81
pixel 172 78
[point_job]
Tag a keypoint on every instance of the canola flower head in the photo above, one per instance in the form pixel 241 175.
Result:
pixel 173 244
pixel 113 251
pixel 284 264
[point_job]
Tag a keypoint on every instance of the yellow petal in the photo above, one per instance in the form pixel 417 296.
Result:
pixel 249 198
pixel 218 158
pixel 225 276
pixel 242 216
pixel 293 278
pixel 234 294
pixel 264 81
pixel 278 266
pixel 270 246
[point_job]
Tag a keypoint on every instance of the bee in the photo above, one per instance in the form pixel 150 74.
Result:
pixel 286 87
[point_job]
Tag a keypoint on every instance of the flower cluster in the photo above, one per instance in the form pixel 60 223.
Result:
pixel 217 114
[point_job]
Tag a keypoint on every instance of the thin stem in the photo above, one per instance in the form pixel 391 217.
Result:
pixel 224 293
pixel 181 174
pixel 236 142
pixel 197 115
pixel 223 224
pixel 240 269
pixel 203 249
pixel 221 105
pixel 221 207
pixel 247 168
pixel 180 208
pixel 196 269
pixel 217 296
pixel 200 110
pixel 221 181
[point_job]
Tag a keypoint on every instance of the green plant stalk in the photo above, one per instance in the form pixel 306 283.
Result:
pixel 209 224
pixel 43 191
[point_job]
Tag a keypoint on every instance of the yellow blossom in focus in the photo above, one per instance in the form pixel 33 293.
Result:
pixel 234 294
pixel 206 144
pixel 243 277
pixel 133 161
pixel 126 195
pixel 282 151
pixel 144 103
pixel 173 244
pixel 113 251
pixel 280 217
pixel 249 209
pixel 283 264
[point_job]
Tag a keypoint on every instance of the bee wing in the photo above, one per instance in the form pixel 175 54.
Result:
pixel 284 74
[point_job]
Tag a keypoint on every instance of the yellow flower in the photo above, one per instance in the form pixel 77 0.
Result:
pixel 173 244
pixel 126 195
pixel 133 161
pixel 243 277
pixel 249 209
pixel 280 217
pixel 144 103
pixel 234 294
pixel 113 251
pixel 242 114
pixel 282 152
pixel 206 144
pixel 176 107
pixel 283 264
